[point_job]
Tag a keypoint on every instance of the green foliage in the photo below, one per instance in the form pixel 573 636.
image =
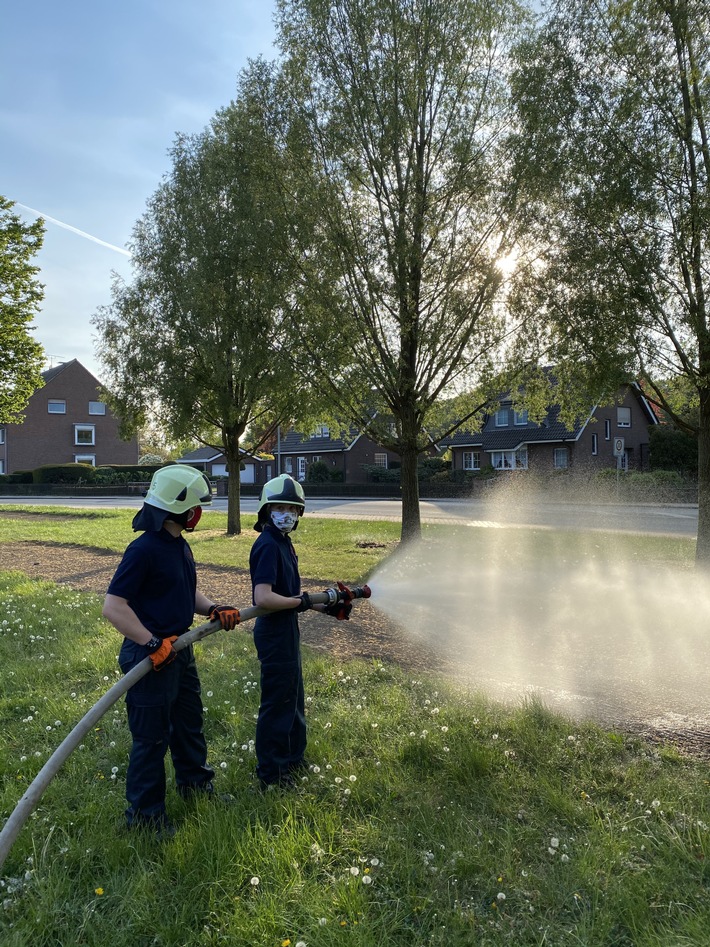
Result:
pixel 21 294
pixel 430 816
pixel 671 449
pixel 318 472
pixel 64 473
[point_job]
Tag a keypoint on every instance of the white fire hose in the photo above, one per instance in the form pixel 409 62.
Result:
pixel 30 799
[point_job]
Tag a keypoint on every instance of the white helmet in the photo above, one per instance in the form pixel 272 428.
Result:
pixel 178 488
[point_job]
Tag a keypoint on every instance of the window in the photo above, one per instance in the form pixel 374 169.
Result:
pixel 560 458
pixel 85 459
pixel 84 434
pixel 471 460
pixel 521 417
pixel 502 417
pixel 2 466
pixel 607 430
pixel 321 431
pixel 288 463
pixel 510 459
pixel 2 435
pixel 301 461
pixel 381 460
pixel 97 407
pixel 219 470
pixel 56 407
pixel 595 444
pixel 623 417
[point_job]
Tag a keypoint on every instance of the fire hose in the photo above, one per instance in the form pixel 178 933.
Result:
pixel 30 799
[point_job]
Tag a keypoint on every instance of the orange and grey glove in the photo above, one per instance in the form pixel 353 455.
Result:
pixel 161 651
pixel 342 608
pixel 227 615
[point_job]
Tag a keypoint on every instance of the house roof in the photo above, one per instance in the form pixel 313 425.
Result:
pixel 208 455
pixel 552 429
pixel 294 442
pixel 49 373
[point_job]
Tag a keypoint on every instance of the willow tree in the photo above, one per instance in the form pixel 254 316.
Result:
pixel 615 108
pixel 196 338
pixel 400 110
pixel 21 356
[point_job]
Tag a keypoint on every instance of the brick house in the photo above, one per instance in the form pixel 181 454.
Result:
pixel 214 463
pixel 347 457
pixel 508 441
pixel 65 422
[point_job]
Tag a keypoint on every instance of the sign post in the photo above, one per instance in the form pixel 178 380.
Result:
pixel 619 454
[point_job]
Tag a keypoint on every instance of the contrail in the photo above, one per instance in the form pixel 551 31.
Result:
pixel 81 233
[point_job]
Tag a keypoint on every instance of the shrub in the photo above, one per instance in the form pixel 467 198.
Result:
pixel 318 472
pixel 64 473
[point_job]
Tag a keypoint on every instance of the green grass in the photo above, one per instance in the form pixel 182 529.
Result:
pixel 476 824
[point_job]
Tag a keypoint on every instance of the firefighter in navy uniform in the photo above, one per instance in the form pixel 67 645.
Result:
pixel 276 586
pixel 151 600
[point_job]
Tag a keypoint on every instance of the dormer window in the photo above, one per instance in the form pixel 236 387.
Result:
pixel 521 417
pixel 501 417
pixel 321 431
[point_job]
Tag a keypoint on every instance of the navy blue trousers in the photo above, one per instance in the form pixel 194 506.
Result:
pixel 164 712
pixel 281 724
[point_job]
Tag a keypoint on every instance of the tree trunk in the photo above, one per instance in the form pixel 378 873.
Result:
pixel 702 549
pixel 234 519
pixel 411 521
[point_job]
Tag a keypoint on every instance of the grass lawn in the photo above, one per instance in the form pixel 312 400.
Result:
pixel 431 815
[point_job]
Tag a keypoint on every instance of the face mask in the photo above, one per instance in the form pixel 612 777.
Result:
pixel 284 521
pixel 189 519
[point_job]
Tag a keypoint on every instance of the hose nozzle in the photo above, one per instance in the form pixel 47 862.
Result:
pixel 358 591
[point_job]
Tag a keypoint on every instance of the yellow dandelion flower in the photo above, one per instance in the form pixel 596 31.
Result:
pixel 98 891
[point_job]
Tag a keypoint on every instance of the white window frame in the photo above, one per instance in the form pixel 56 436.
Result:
pixel 56 406
pixel 510 459
pixel 623 416
pixel 2 435
pixel 501 417
pixel 97 407
pixel 288 465
pixel 85 428
pixel 560 458
pixel 595 444
pixel 85 459
pixel 521 417
pixel 381 461
pixel 301 467
pixel 321 431
pixel 471 460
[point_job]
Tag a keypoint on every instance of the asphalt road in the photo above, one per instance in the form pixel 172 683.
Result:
pixel 667 520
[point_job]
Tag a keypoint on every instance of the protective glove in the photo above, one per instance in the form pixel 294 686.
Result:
pixel 306 603
pixel 161 651
pixel 227 615
pixel 342 608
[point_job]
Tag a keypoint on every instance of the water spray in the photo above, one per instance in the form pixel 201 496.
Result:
pixel 32 796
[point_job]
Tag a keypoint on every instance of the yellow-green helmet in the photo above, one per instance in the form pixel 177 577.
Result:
pixel 282 489
pixel 178 488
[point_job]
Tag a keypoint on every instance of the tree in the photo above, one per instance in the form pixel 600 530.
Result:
pixel 400 111
pixel 615 103
pixel 196 338
pixel 21 357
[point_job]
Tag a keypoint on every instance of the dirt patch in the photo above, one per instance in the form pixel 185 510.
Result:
pixel 367 635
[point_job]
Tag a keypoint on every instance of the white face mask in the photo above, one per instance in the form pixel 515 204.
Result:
pixel 284 521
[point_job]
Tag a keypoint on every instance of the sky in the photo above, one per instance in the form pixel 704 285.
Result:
pixel 92 96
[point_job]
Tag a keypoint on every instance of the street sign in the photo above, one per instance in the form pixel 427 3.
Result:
pixel 618 447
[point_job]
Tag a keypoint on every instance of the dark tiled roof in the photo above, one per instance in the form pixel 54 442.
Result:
pixel 294 442
pixel 51 373
pixel 201 454
pixel 514 435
